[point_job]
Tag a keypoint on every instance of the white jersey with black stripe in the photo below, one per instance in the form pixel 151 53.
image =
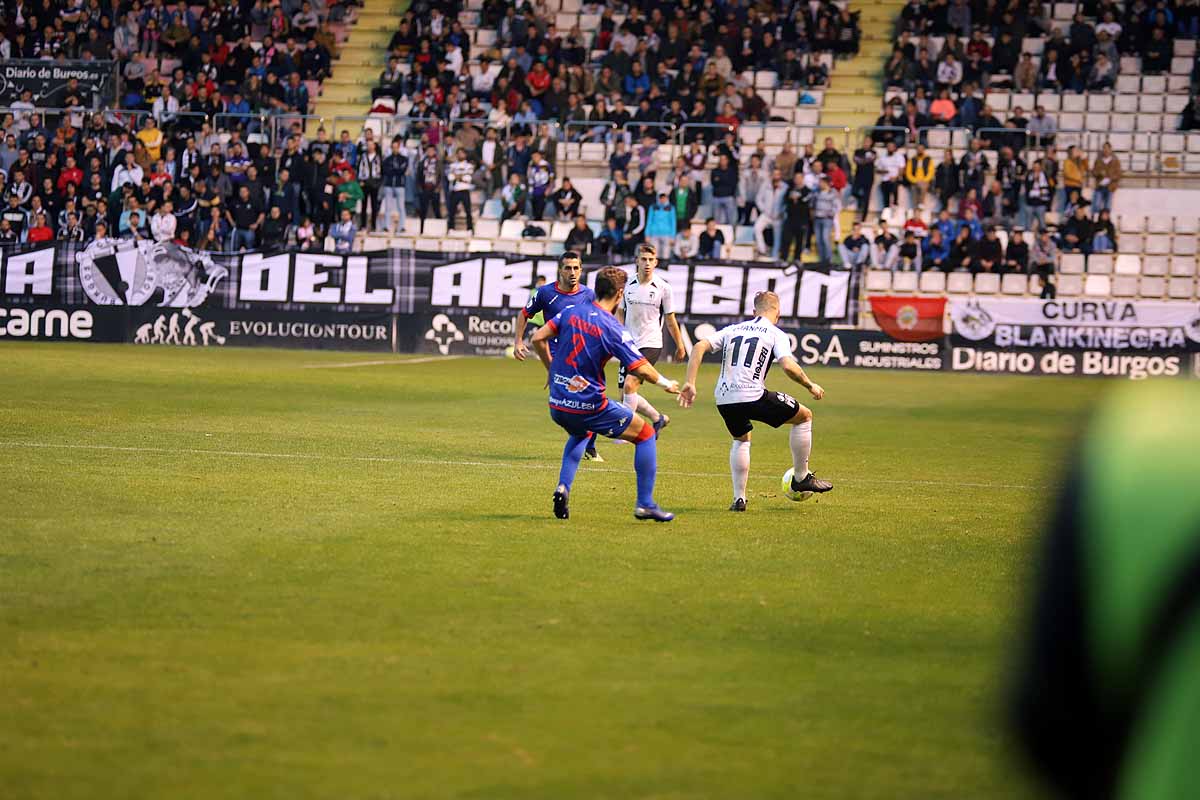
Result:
pixel 646 306
pixel 747 351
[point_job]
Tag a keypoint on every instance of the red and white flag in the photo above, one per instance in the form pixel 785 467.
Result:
pixel 910 319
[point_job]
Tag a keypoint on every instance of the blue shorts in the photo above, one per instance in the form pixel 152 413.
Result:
pixel 610 421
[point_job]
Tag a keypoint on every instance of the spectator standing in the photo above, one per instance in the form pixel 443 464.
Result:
pixel 724 187
pixel 1107 173
pixel 891 168
pixel 370 177
pixel 461 173
pixel 660 226
pixel 429 186
pixel 826 206
pixel 864 176
pixel 393 183
pixel 540 179
pixel 770 215
pixel 797 218
pixel 919 173
pixel 749 182
pixel 634 232
pixel 685 200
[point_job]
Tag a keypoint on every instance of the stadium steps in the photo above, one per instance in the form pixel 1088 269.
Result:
pixel 347 93
pixel 855 92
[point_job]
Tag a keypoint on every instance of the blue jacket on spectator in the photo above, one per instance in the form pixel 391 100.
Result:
pixel 395 169
pixel 636 86
pixel 936 252
pixel 661 221
pixel 949 229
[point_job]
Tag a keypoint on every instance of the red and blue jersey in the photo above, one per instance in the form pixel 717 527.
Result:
pixel 549 300
pixel 588 337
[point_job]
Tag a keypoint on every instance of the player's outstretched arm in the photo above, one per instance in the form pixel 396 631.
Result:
pixel 649 374
pixel 519 348
pixel 793 370
pixel 687 395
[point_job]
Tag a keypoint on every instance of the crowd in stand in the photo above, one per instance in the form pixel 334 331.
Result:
pixel 187 157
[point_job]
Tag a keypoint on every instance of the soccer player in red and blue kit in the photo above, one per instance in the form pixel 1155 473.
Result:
pixel 588 336
pixel 550 299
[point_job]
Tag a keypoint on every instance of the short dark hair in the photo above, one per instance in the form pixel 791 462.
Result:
pixel 610 281
pixel 568 255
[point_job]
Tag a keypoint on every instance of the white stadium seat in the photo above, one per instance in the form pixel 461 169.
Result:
pixel 1184 245
pixel 1181 288
pixel 434 229
pixel 879 280
pixel 1155 265
pixel 1070 285
pixel 1097 286
pixel 933 282
pixel 959 283
pixel 1128 264
pixel 1131 223
pixel 1071 264
pixel 1124 286
pixel 1183 266
pixel 1100 264
pixel 904 282
pixel 511 229
pixel 1152 287
pixel 1159 224
pixel 1158 244
pixel 987 283
pixel 1014 283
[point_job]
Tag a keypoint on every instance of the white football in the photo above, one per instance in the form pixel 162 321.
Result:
pixel 786 483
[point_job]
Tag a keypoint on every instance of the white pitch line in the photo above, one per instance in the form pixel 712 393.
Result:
pixel 393 362
pixel 450 463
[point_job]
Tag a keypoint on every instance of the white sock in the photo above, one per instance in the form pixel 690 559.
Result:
pixel 641 406
pixel 648 410
pixel 739 467
pixel 801 443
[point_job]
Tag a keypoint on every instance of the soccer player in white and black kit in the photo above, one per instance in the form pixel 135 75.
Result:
pixel 648 301
pixel 747 350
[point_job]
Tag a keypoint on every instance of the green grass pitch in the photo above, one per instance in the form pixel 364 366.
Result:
pixel 229 574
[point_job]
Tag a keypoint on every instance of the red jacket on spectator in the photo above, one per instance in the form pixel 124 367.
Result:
pixel 837 178
pixel 40 234
pixel 69 175
pixel 732 121
pixel 202 81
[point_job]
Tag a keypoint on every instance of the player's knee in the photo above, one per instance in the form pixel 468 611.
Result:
pixel 745 437
pixel 803 415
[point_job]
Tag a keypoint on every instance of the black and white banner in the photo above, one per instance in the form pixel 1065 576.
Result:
pixel 1098 325
pixel 49 81
pixel 721 291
